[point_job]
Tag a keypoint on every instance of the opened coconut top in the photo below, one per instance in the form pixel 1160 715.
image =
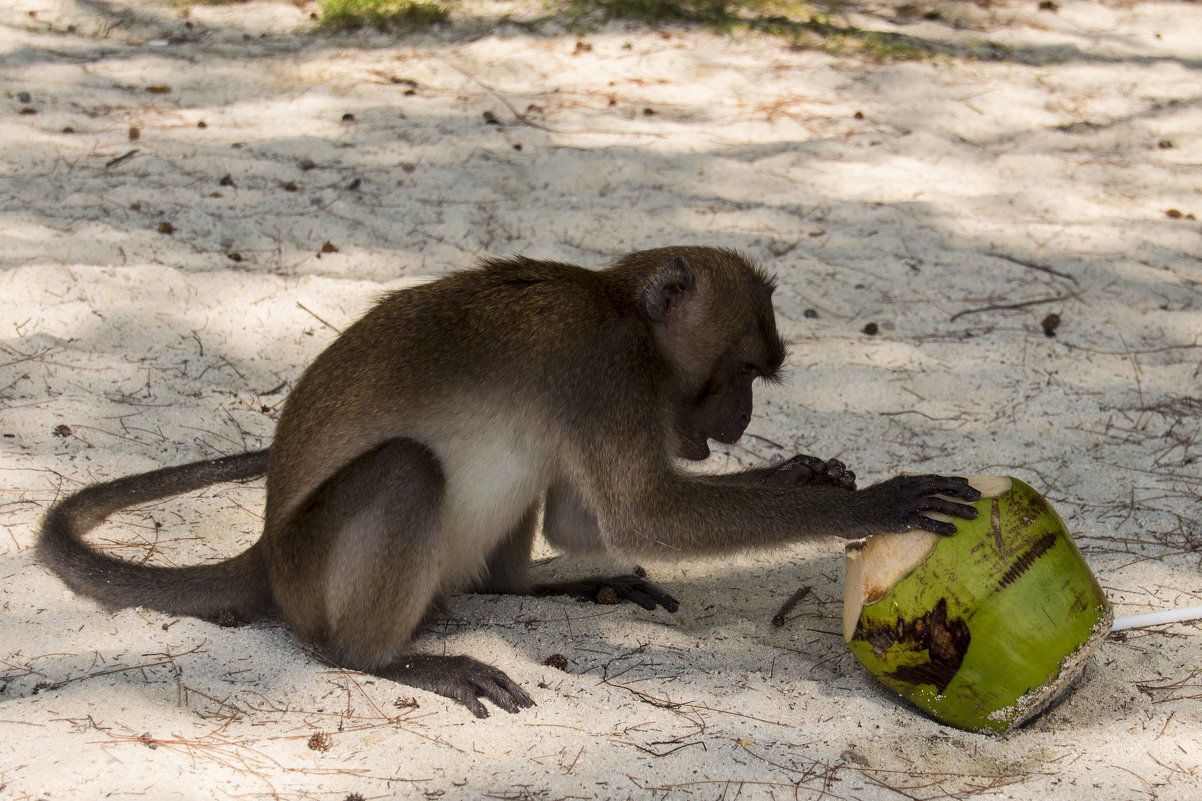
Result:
pixel 874 565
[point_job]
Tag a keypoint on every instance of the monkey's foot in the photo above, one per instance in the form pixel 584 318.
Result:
pixel 612 589
pixel 461 679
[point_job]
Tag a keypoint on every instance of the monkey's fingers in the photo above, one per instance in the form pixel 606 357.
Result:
pixel 836 473
pixel 946 508
pixel 927 502
pixel 798 471
pixel 939 527
pixel 953 487
pixel 928 486
pixel 804 470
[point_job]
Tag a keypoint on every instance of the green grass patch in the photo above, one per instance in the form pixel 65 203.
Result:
pixel 809 24
pixel 714 13
pixel 793 20
pixel 399 15
pixel 720 14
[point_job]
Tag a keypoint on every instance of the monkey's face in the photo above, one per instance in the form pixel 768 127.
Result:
pixel 722 408
pixel 710 312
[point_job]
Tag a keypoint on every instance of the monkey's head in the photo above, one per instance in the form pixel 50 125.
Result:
pixel 711 315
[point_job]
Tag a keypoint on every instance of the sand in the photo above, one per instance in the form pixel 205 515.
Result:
pixel 193 201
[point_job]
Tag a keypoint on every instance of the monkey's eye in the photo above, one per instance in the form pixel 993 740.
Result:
pixel 749 369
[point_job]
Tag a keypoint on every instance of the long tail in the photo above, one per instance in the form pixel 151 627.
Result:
pixel 236 586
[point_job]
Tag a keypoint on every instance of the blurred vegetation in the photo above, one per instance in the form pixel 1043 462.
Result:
pixel 804 24
pixel 403 16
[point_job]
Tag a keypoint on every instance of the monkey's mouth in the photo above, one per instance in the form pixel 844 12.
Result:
pixel 693 446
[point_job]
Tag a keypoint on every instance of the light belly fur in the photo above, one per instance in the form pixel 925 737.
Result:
pixel 493 476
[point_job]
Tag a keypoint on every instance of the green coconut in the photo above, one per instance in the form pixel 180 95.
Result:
pixel 984 629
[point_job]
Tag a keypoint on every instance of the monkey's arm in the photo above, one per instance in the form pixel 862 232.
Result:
pixel 571 527
pixel 683 515
pixel 569 524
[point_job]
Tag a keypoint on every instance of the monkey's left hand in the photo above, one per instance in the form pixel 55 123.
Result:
pixel 803 471
pixel 612 589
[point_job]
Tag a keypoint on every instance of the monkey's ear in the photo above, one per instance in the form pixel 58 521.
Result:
pixel 669 289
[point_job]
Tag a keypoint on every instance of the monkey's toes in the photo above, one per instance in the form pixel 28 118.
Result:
pixel 637 589
pixel 463 680
pixel 486 681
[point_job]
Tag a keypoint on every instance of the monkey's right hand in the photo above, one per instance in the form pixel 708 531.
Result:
pixel 801 471
pixel 898 503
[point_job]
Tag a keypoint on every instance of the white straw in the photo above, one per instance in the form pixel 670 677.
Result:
pixel 1155 618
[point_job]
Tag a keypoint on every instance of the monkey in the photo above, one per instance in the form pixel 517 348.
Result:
pixel 412 460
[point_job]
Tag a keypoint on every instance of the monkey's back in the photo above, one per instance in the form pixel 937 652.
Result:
pixel 510 340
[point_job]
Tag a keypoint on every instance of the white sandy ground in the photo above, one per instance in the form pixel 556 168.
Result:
pixel 952 202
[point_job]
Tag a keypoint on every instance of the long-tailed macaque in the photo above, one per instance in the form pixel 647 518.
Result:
pixel 414 455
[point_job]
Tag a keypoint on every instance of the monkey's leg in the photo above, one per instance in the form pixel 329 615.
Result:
pixel 377 525
pixel 509 562
pixel 569 524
